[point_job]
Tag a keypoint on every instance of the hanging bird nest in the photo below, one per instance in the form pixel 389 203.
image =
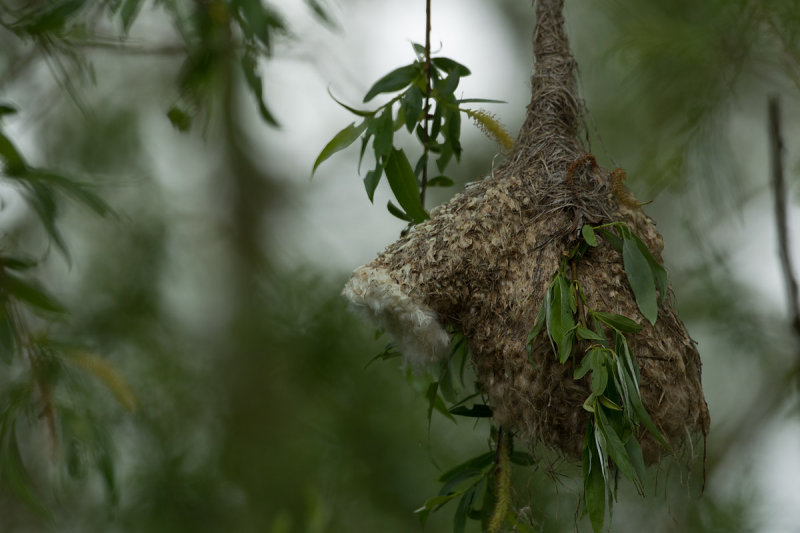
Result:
pixel 484 261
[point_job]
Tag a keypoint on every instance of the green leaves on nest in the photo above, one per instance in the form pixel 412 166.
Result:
pixel 614 401
pixel 646 275
pixel 437 129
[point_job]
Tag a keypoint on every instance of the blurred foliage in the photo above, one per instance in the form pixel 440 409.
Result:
pixel 176 378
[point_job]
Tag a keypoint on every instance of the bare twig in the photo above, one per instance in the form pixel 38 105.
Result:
pixel 428 90
pixel 781 215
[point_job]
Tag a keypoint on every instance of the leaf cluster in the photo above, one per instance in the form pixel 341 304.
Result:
pixel 427 107
pixel 614 401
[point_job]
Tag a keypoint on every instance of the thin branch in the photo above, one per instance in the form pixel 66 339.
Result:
pixel 428 89
pixel 781 215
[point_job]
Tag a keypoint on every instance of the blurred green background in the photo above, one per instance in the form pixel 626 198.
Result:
pixel 213 294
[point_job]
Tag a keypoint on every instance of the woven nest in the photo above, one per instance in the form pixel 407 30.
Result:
pixel 485 259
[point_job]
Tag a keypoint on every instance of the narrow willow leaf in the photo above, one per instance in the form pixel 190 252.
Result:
pixel 612 238
pixel 588 235
pixel 588 335
pixel 594 489
pixel 397 212
pixel 253 79
pixel 614 446
pixel 606 402
pixel 643 416
pixel 479 101
pixel 29 292
pixel 445 89
pixel 13 161
pixel 599 376
pixel 180 119
pixel 404 185
pixel 359 112
pixel 7 109
pixel 8 336
pixel 440 181
pixel 619 322
pixel 384 134
pixel 475 463
pixel 449 66
pixel 476 411
pixel 395 80
pixel 128 13
pixel 412 102
pixel 659 273
pixel 17 262
pixel 640 277
pixel 340 141
pixel 371 181
pixel 80 192
pixel 634 450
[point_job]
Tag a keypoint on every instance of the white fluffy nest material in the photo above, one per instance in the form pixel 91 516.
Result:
pixel 419 335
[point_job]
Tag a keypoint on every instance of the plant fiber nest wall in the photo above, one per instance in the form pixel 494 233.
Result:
pixel 483 262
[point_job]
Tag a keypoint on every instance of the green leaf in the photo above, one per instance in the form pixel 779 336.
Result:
pixel 640 277
pixel 435 402
pixel 253 79
pixel 449 66
pixel 359 112
pixel 475 463
pixel 446 88
pixel 440 181
pixel 419 50
pixel 8 336
pixel 412 102
pixel 588 335
pixel 643 416
pixel 588 362
pixel 12 159
pixel 404 185
pixel 384 134
pixel 460 518
pixel 80 192
pixel 541 320
pixel 16 262
pixel 30 292
pixel 395 80
pixel 397 212
pixel 7 109
pixel 561 325
pixel 476 411
pixel 594 487
pixel 340 141
pixel 479 101
pixel 614 446
pixel 619 322
pixel 612 238
pixel 634 451
pixel 588 235
pixel 371 181
pixel 179 119
pixel 659 273
pixel 321 13
pixel 599 375
pixel 130 8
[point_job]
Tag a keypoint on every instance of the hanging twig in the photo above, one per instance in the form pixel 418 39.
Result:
pixel 781 215
pixel 428 89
